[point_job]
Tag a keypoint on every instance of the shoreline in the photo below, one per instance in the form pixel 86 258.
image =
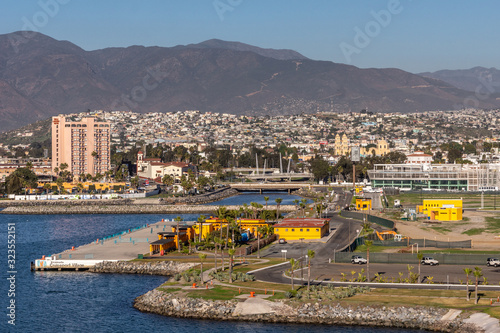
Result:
pixel 425 318
pixel 258 309
pixel 105 208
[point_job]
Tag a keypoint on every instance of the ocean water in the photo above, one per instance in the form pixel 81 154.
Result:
pixel 87 302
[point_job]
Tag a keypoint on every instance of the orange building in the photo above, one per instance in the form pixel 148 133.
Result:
pixel 83 145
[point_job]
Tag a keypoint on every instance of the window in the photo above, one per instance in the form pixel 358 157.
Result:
pixel 286 230
pixel 307 230
pixel 293 230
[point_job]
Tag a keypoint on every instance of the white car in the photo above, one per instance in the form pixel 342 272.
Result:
pixel 429 261
pixel 358 260
pixel 493 262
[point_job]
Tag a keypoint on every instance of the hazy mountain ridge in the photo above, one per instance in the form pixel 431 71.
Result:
pixel 41 77
pixel 484 80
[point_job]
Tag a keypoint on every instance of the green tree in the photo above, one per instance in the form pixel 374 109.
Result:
pixel 310 255
pixel 293 266
pixel 368 244
pixel 167 180
pixel 201 219
pixel 231 253
pixel 319 168
pixel 278 203
pixel 202 256
pixel 19 179
pixel 467 271
pixel 478 272
pixel 419 257
pixel 266 199
pixel 178 219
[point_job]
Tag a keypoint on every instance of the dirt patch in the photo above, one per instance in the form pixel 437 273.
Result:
pixel 453 231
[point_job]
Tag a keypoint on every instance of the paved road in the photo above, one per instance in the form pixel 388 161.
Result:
pixel 345 230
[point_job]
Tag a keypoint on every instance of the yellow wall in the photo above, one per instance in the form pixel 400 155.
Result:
pixel 444 214
pixel 98 186
pixel 215 223
pixel 363 204
pixel 438 203
pixel 433 208
pixel 297 233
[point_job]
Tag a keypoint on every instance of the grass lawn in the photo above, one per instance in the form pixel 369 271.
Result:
pixel 377 248
pixel 474 231
pixel 469 200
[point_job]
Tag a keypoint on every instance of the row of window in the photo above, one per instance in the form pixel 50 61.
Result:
pixel 301 230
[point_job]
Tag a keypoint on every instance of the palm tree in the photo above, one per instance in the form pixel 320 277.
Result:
pixel 259 231
pixel 478 272
pixel 202 256
pixel 200 221
pixel 303 204
pixel 266 199
pixel 230 220
pixel 167 180
pixel 231 253
pixel 368 243
pixel 419 257
pixel 278 203
pixel 216 241
pixel 178 219
pixel 293 266
pixel 296 203
pixel 468 271
pixel 310 255
pixel 80 187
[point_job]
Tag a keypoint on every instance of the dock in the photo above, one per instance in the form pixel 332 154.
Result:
pixel 126 245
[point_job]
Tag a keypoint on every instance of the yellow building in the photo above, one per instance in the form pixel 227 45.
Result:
pixel 306 228
pixel 381 148
pixel 97 186
pixel 442 209
pixel 214 223
pixel 363 204
pixel 341 146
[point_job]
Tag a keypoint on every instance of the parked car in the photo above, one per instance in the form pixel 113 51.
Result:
pixel 282 241
pixel 358 260
pixel 493 262
pixel 429 261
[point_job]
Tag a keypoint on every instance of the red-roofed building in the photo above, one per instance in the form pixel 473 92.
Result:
pixel 306 228
pixel 153 168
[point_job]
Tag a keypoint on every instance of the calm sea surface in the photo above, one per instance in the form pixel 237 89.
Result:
pixel 86 302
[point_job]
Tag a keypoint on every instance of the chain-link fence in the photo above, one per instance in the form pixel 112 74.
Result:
pixel 370 218
pixel 409 258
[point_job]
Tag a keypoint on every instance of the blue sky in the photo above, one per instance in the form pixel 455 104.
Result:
pixel 416 36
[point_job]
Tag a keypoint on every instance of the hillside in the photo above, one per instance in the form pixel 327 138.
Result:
pixel 41 77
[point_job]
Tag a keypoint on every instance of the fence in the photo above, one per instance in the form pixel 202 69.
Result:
pixel 370 218
pixel 409 258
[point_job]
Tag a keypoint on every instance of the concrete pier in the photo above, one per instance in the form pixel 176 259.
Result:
pixel 123 246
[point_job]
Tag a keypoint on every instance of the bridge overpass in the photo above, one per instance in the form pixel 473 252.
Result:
pixel 277 175
pixel 260 187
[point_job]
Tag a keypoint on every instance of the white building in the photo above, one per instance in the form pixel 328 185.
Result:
pixel 419 157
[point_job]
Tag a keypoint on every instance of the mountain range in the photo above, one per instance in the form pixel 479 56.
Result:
pixel 41 77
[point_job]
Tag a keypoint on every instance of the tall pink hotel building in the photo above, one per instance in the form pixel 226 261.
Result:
pixel 83 145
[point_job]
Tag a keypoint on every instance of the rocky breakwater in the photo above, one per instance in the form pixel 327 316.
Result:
pixel 260 310
pixel 167 268
pixel 201 199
